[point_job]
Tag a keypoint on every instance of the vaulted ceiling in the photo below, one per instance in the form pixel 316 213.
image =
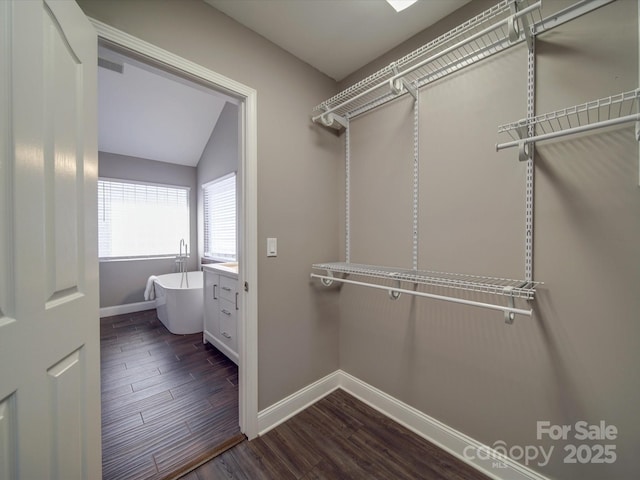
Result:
pixel 149 113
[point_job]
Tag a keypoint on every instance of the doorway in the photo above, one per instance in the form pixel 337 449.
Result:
pixel 247 202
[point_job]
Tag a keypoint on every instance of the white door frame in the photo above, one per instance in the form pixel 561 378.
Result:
pixel 248 217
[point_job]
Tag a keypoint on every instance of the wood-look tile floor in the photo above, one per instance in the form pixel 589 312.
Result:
pixel 166 399
pixel 337 438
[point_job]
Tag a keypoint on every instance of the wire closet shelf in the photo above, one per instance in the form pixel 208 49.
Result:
pixel 501 26
pixel 471 283
pixel 604 112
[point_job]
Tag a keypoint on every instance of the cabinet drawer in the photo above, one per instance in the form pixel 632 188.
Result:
pixel 228 325
pixel 211 292
pixel 228 287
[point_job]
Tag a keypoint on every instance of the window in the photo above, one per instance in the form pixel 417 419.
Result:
pixel 220 219
pixel 141 220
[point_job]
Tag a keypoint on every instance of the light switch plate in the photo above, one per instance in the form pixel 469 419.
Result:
pixel 272 247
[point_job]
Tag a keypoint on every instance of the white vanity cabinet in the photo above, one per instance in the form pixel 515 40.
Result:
pixel 220 308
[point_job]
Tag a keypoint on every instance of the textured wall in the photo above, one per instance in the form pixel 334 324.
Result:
pixel 577 358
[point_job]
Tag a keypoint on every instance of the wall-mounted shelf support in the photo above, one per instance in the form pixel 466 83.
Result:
pixel 400 86
pixel 509 316
pixel 514 26
pixel 512 289
pixel 327 280
pixel 525 150
pixel 394 293
pixel 527 154
pixel 331 120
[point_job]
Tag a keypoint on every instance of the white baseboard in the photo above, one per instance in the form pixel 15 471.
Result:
pixel 438 433
pixel 286 408
pixel 445 437
pixel 127 308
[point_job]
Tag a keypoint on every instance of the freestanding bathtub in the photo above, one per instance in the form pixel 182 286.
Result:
pixel 180 309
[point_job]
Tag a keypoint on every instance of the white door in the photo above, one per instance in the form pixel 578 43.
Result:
pixel 49 327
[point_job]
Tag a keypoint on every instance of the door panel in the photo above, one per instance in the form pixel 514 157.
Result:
pixel 49 321
pixel 66 384
pixel 63 141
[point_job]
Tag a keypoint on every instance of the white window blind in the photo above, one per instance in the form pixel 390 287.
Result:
pixel 141 220
pixel 220 218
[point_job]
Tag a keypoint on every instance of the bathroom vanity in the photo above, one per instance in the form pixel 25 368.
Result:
pixel 221 307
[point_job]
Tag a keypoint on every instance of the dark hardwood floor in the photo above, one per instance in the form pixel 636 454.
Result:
pixel 167 400
pixel 337 438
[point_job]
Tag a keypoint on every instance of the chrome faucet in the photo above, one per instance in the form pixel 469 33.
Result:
pixel 181 260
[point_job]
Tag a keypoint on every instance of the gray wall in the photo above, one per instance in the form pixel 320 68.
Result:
pixel 123 281
pixel 577 358
pixel 219 158
pixel 298 178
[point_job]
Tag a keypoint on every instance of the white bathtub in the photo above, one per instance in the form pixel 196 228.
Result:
pixel 180 309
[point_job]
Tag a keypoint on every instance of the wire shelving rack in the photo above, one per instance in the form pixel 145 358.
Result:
pixel 604 112
pixel 471 283
pixel 501 26
pixel 504 25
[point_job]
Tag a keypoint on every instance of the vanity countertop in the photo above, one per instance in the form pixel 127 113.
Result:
pixel 229 267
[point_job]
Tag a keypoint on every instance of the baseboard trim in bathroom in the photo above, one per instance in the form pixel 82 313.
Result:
pixel 204 458
pixel 127 308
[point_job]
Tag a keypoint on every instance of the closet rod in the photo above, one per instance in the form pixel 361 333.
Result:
pixel 489 29
pixel 569 131
pixel 490 306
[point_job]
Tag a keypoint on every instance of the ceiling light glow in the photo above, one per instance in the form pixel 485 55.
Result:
pixel 400 5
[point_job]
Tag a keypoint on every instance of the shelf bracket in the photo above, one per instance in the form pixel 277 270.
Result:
pixel 524 151
pixel 509 315
pixel 411 89
pixel 327 282
pixel 329 119
pixel 525 148
pixel 516 25
pixel 513 27
pixel 399 86
pixel 395 294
